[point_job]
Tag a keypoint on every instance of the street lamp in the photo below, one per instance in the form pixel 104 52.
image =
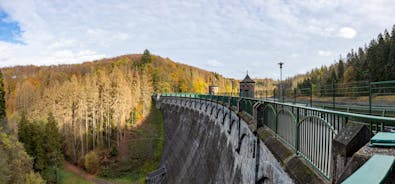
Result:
pixel 281 78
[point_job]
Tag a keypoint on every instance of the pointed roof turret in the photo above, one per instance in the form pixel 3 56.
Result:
pixel 247 79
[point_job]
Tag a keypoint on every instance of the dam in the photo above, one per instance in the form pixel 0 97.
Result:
pixel 225 139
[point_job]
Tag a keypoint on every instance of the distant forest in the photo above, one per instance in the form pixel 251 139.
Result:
pixel 374 62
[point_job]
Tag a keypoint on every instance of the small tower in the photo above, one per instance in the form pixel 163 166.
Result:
pixel 212 89
pixel 247 87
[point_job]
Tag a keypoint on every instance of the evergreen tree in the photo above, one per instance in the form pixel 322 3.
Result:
pixel 340 70
pixel 333 76
pixel 52 148
pixel 2 103
pixel 37 136
pixel 375 62
pixel 23 133
pixel 391 58
pixel 146 58
pixel 43 143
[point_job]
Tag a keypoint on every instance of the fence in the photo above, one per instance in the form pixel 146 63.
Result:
pixel 309 131
pixel 375 98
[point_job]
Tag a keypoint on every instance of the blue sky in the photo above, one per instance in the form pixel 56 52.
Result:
pixel 9 30
pixel 225 36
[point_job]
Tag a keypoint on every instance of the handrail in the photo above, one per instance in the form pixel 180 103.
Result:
pixel 354 116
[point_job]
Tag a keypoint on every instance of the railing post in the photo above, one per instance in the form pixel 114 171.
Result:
pixel 370 98
pixel 297 131
pixel 276 129
pixel 370 108
pixel 311 94
pixel 333 95
pixel 294 95
pixel 238 105
pixel 266 94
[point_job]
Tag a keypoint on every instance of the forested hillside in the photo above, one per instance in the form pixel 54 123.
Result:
pixel 16 164
pixel 92 103
pixel 373 62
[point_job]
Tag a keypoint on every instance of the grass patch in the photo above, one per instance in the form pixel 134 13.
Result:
pixel 133 177
pixel 145 147
pixel 66 177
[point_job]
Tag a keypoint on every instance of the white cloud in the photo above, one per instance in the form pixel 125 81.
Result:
pixel 347 32
pixel 295 55
pixel 231 31
pixel 68 56
pixel 325 53
pixel 62 44
pixel 214 63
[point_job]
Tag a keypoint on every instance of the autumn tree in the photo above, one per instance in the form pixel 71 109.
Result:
pixel 92 162
pixel 16 164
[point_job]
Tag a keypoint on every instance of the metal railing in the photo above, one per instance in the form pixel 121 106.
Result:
pixel 376 98
pixel 157 176
pixel 309 131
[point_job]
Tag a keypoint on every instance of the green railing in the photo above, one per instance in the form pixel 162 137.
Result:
pixel 376 98
pixel 309 131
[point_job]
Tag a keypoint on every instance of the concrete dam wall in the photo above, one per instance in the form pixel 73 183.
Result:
pixel 206 142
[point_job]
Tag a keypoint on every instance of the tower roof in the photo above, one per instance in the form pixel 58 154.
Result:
pixel 247 79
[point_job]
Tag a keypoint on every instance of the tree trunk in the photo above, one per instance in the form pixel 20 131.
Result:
pixel 86 130
pixel 93 128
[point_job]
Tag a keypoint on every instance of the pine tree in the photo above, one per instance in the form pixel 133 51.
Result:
pixel 2 103
pixel 23 133
pixel 391 59
pixel 37 136
pixel 146 58
pixel 340 70
pixel 52 148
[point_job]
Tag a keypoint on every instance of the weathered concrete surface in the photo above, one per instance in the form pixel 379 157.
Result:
pixel 201 146
pixel 301 173
pixel 346 143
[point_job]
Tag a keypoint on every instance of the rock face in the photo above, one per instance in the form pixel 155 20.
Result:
pixel 207 143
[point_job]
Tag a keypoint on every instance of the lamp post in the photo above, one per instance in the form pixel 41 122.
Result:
pixel 281 78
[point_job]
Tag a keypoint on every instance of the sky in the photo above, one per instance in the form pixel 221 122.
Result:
pixel 225 36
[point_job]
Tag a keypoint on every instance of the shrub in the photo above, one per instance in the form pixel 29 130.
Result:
pixel 92 162
pixel 114 151
pixel 34 178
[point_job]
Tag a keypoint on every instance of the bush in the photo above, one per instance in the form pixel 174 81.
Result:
pixel 34 178
pixel 92 162
pixel 114 151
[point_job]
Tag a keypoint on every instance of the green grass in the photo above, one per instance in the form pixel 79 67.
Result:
pixel 127 179
pixel 144 152
pixel 66 177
